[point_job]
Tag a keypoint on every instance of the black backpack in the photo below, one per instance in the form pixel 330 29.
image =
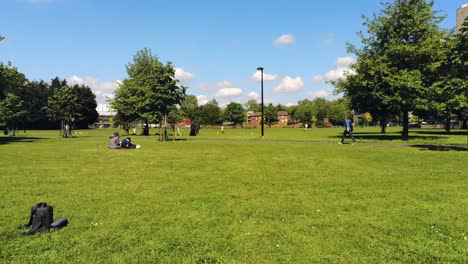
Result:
pixel 42 219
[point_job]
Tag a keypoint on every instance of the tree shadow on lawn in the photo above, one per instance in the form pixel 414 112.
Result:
pixel 8 140
pixel 387 137
pixel 439 148
pixel 452 133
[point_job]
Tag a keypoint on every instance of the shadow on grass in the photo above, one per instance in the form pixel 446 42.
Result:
pixel 440 148
pixel 452 133
pixel 387 137
pixel 7 140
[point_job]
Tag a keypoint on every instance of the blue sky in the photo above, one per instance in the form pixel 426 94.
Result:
pixel 215 45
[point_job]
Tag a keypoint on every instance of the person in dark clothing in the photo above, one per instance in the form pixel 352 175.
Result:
pixel 127 144
pixel 348 130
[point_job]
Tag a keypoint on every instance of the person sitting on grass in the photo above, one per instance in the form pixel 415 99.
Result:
pixel 114 142
pixel 125 144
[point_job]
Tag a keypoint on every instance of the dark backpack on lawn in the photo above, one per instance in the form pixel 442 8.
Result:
pixel 42 216
pixel 42 219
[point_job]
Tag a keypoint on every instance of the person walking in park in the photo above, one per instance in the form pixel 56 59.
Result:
pixel 348 130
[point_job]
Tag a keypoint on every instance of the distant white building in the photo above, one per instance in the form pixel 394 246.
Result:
pixel 105 109
pixel 106 113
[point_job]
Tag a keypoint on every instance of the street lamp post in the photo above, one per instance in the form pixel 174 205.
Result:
pixel 261 70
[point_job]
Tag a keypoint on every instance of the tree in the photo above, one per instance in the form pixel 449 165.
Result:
pixel 209 114
pixel 271 115
pixel 462 49
pixel 12 82
pixel 321 108
pixel 62 107
pixel 338 110
pixel 2 38
pixel 35 96
pixel 396 64
pixel 449 94
pixel 86 106
pixel 175 116
pixel 234 113
pixel 125 102
pixel 151 88
pixel 253 106
pixel 304 111
pixel 189 106
pixel 12 111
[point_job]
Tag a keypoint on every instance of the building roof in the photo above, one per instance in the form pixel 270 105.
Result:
pixel 282 113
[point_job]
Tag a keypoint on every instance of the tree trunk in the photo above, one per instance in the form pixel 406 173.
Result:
pixel 62 129
pixel 464 124
pixel 173 133
pixel 447 124
pixel 146 129
pixel 163 135
pixel 405 132
pixel 383 126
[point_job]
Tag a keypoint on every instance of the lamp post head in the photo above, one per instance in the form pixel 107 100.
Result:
pixel 259 68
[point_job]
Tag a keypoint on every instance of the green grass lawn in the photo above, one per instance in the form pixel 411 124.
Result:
pixel 281 200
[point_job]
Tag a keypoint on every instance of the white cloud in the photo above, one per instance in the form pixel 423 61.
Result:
pixel 290 104
pixel 102 90
pixel 257 76
pixel 268 101
pixel 342 67
pixel 290 85
pixel 205 86
pixel 284 39
pixel 320 93
pixel 228 92
pixel 344 62
pixel 202 99
pixel 254 96
pixel 183 76
pixel 224 84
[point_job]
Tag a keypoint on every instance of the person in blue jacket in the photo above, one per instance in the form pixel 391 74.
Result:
pixel 348 130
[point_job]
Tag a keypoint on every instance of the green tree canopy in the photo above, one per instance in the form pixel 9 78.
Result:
pixel 209 114
pixel 252 105
pixel 271 115
pixel 62 107
pixel 73 106
pixel 189 106
pixel 396 65
pixel 12 111
pixel 449 93
pixel 234 113
pixel 150 89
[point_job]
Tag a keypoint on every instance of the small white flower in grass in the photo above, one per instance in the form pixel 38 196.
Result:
pixel 466 238
pixel 318 210
pixel 277 245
